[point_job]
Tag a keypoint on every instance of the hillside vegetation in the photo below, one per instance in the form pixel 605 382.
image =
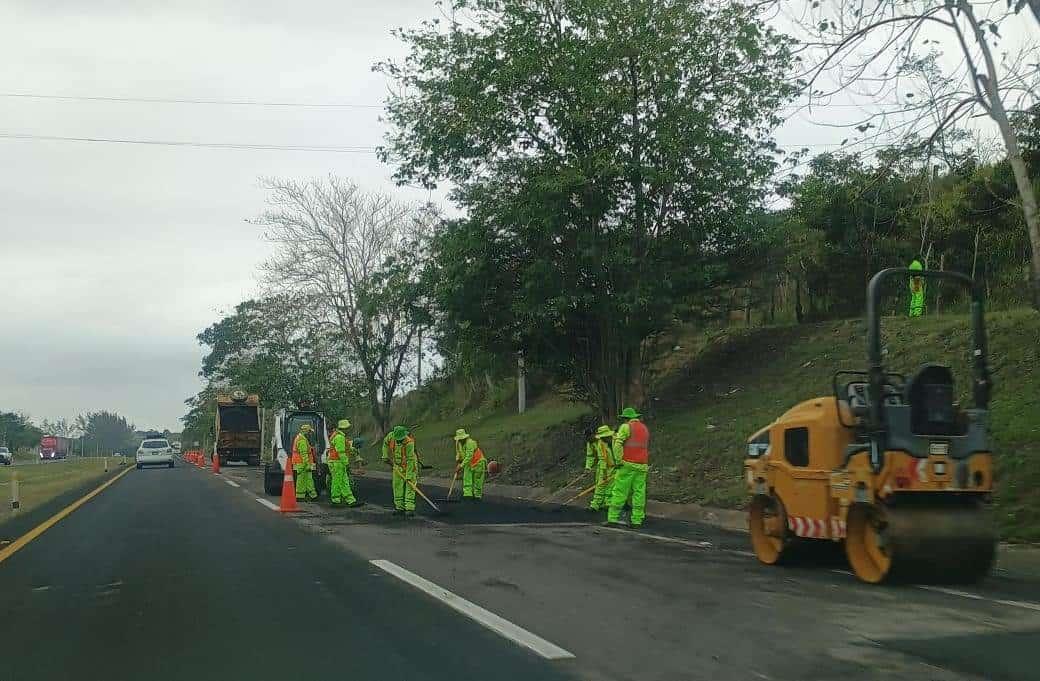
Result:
pixel 716 388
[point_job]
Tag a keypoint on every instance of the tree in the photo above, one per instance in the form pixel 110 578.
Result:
pixel 890 45
pixel 107 431
pixel 349 259
pixel 607 154
pixel 17 431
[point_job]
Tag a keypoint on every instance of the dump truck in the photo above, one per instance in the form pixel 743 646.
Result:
pixel 287 424
pixel 238 429
pixel 895 468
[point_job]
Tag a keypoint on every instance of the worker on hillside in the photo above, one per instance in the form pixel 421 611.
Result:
pixel 340 455
pixel 917 289
pixel 599 454
pixel 469 458
pixel 632 448
pixel 399 454
pixel 303 464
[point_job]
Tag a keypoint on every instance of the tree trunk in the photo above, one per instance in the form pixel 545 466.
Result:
pixel 772 301
pixel 798 314
pixel 998 113
pixel 975 253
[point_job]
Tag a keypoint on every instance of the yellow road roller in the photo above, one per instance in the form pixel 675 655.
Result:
pixel 892 466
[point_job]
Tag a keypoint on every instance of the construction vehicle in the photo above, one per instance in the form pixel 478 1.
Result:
pixel 287 424
pixel 895 468
pixel 238 429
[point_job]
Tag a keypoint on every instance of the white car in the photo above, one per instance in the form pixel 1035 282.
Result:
pixel 5 456
pixel 155 453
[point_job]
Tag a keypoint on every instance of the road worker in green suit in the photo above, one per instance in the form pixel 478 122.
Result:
pixel 303 464
pixel 599 456
pixel 340 455
pixel 917 289
pixel 399 453
pixel 631 449
pixel 469 458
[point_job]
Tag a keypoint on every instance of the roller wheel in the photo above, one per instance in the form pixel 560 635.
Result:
pixel 866 544
pixel 770 538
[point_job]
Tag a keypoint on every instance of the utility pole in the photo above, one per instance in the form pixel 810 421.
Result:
pixel 418 379
pixel 521 384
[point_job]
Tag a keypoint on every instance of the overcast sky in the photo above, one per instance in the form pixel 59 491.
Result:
pixel 114 256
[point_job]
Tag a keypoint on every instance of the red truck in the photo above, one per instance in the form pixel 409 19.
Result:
pixel 53 447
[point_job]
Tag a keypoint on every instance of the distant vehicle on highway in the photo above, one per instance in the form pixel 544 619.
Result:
pixel 53 447
pixel 5 456
pixel 155 452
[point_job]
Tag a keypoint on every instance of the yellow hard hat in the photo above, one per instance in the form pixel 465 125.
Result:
pixel 343 424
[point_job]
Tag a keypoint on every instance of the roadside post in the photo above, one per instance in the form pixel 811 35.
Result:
pixel 15 503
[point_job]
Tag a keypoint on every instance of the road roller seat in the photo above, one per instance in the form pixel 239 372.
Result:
pixel 930 394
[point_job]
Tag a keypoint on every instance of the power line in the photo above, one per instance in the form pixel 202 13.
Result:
pixel 208 145
pixel 162 100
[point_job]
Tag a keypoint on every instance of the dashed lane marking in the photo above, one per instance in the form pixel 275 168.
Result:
pixel 231 482
pixel 500 626
pixel 266 503
pixel 1025 605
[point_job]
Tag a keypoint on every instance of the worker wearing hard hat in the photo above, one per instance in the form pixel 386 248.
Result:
pixel 340 454
pixel 599 456
pixel 632 448
pixel 303 464
pixel 916 290
pixel 399 453
pixel 469 458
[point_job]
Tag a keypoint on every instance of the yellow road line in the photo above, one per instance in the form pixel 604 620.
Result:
pixel 35 532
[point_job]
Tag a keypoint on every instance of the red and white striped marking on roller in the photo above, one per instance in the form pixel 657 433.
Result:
pixel 816 528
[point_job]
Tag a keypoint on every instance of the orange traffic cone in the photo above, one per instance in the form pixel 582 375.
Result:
pixel 202 460
pixel 288 504
pixel 216 463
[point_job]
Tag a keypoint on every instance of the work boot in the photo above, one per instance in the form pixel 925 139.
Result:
pixel 355 504
pixel 409 514
pixel 398 511
pixel 620 524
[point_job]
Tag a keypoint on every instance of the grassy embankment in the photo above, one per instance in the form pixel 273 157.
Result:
pixel 39 483
pixel 719 387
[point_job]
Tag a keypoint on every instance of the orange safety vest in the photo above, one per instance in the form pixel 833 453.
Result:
pixel 637 446
pixel 333 452
pixel 296 457
pixel 404 451
pixel 478 455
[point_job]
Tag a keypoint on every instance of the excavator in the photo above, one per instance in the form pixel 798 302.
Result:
pixel 893 467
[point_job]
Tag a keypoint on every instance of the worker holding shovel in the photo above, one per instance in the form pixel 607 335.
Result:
pixel 599 453
pixel 470 459
pixel 399 454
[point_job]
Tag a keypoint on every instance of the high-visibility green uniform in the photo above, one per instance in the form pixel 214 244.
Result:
pixel 470 458
pixel 339 468
pixel 405 465
pixel 303 468
pixel 599 453
pixel 917 289
pixel 631 445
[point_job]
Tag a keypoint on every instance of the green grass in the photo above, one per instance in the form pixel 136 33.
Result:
pixel 39 483
pixel 718 387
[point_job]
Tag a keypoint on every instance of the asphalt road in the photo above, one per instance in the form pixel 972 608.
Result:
pixel 180 575
pixel 168 574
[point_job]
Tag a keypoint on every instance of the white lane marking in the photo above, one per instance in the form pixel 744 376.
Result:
pixel 1026 605
pixel 500 626
pixel 231 482
pixel 267 503
pixel 658 537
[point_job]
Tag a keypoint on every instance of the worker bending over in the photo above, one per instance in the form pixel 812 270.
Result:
pixel 399 453
pixel 632 447
pixel 303 464
pixel 340 455
pixel 599 454
pixel 470 459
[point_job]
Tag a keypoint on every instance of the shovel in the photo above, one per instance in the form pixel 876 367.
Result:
pixel 579 495
pixel 438 510
pixel 451 489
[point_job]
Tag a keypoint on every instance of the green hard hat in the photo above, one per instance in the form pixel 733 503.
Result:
pixel 343 424
pixel 604 431
pixel 400 432
pixel 916 265
pixel 629 413
pixel 461 434
pixel 306 428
